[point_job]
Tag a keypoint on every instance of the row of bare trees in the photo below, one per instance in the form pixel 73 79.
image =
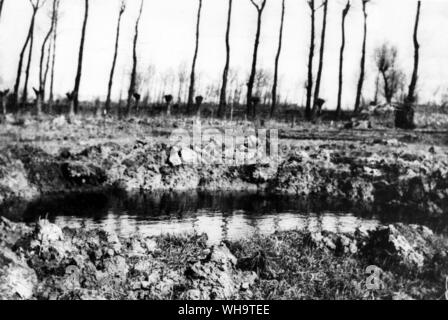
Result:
pixel 385 59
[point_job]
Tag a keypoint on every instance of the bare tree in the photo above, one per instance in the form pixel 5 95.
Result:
pixel 363 59
pixel 40 92
pixel 277 60
pixel 114 61
pixel 341 59
pixel 223 96
pixel 250 85
pixel 191 91
pixel 321 60
pixel 132 86
pixel 386 62
pixel 404 117
pixel 3 97
pixel 411 93
pixel 36 5
pixel 75 95
pixel 309 83
pixel 1 7
pixel 53 58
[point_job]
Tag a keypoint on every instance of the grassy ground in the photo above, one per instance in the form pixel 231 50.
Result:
pixel 44 262
pixel 323 159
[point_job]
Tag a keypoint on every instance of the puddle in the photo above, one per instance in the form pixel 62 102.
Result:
pixel 229 216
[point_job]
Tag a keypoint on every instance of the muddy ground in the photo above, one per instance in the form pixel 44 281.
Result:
pixel 326 162
pixel 41 261
pixel 372 167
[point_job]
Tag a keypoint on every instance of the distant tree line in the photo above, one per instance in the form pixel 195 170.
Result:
pixel 229 91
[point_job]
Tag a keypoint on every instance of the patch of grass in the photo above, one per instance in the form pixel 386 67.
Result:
pixel 300 270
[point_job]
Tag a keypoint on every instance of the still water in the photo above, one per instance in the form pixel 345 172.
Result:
pixel 221 216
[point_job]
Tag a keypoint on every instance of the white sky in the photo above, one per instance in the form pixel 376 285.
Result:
pixel 167 41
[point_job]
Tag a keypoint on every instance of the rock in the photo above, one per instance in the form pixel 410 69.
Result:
pixel 434 150
pixel 359 125
pixel 362 125
pixel 80 173
pixel 193 294
pixel 11 232
pixel 392 143
pixel 151 245
pixel 216 276
pixel 411 246
pixel 46 232
pixel 221 254
pixel 183 156
pixel 401 296
pixel 17 280
pixel 188 156
pixel 59 121
pixel 174 158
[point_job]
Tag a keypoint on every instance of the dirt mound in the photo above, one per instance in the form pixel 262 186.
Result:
pixel 45 262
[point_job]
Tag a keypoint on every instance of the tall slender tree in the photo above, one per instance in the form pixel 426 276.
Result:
pixel 54 16
pixel 114 60
pixel 309 83
pixel 277 60
pixel 53 49
pixel 75 94
pixel 225 75
pixel 36 5
pixel 412 87
pixel 191 91
pixel 404 117
pixel 341 59
pixel 321 57
pixel 363 59
pixel 1 7
pixel 133 83
pixel 42 66
pixel 259 6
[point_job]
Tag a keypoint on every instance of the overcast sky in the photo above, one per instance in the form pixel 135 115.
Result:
pixel 167 41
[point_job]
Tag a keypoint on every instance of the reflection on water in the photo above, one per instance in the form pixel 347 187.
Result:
pixel 219 215
pixel 220 226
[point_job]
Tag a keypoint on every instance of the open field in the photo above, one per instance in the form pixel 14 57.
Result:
pixel 325 162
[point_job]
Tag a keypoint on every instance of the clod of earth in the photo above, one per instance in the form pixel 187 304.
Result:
pixel 42 261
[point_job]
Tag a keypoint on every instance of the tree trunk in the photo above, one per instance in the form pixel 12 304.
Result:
pixel 277 59
pixel 191 91
pixel 39 101
pixel 1 7
pixel 80 58
pixel 114 62
pixel 387 92
pixel 223 96
pixel 3 97
pixel 411 94
pixel 321 60
pixel 309 84
pixel 404 117
pixel 28 67
pixel 53 59
pixel 363 60
pixel 250 84
pixel 377 89
pixel 42 73
pixel 47 67
pixel 133 81
pixel 341 60
pixel 21 57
